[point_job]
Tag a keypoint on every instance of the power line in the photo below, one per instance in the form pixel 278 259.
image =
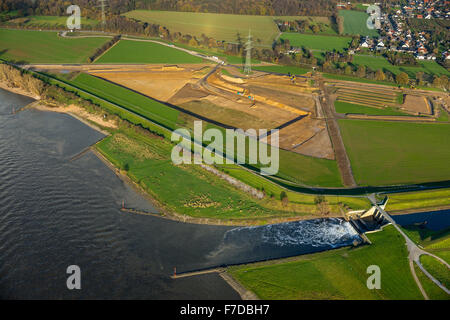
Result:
pixel 248 59
pixel 103 5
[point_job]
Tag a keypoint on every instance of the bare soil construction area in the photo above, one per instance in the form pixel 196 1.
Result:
pixel 417 105
pixel 411 102
pixel 158 82
pixel 264 101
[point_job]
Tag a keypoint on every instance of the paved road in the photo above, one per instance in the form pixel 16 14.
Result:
pixel 414 252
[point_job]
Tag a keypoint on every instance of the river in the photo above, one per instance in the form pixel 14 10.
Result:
pixel 55 212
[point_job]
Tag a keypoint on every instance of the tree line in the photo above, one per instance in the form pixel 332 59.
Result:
pixel 90 8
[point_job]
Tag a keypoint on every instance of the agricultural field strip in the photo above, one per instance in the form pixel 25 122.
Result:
pixel 365 98
pixel 363 102
pixel 367 94
pixel 378 105
pixel 370 89
pixel 219 26
pixel 352 108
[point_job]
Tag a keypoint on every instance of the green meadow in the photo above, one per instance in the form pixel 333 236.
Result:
pixel 315 42
pixel 146 159
pixel 128 51
pixel 381 63
pixel 432 290
pixel 45 47
pixel 219 26
pixel 202 194
pixel 385 153
pixel 437 269
pixel 335 274
pixel 272 189
pixel 355 23
pixel 418 200
pixel 51 21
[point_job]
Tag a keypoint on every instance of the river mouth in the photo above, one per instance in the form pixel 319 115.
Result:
pixel 55 212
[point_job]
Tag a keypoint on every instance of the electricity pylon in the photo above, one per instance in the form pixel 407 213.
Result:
pixel 248 58
pixel 103 5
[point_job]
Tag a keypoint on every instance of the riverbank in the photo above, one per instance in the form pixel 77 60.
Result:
pixel 166 212
pixel 20 91
pixel 89 119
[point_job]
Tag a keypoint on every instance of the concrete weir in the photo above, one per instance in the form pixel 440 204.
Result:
pixel 367 221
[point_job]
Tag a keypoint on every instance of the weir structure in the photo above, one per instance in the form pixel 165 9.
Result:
pixel 367 220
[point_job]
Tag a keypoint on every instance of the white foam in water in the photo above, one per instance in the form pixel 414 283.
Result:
pixel 317 233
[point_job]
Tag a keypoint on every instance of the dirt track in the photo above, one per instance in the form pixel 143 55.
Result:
pixel 336 139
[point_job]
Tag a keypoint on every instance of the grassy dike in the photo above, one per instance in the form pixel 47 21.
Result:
pixel 335 274
pixel 421 200
pixel 189 190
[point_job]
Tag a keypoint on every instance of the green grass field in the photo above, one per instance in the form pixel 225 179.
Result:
pixel 383 153
pixel 438 243
pixel 314 42
pixel 130 100
pixel 308 170
pixel 336 274
pixel 201 194
pixel 437 269
pixel 443 116
pixel 45 47
pixel 271 188
pixel 355 22
pixel 147 161
pixel 344 107
pixel 432 290
pixel 418 200
pixel 380 63
pixel 282 69
pixel 219 26
pixel 355 79
pixel 128 51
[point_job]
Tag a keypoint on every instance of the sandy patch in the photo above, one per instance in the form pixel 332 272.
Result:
pixel 416 104
pixel 79 113
pixel 158 85
pixel 19 91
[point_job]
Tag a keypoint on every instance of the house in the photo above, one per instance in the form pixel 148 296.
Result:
pixel 428 17
pixel 422 50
